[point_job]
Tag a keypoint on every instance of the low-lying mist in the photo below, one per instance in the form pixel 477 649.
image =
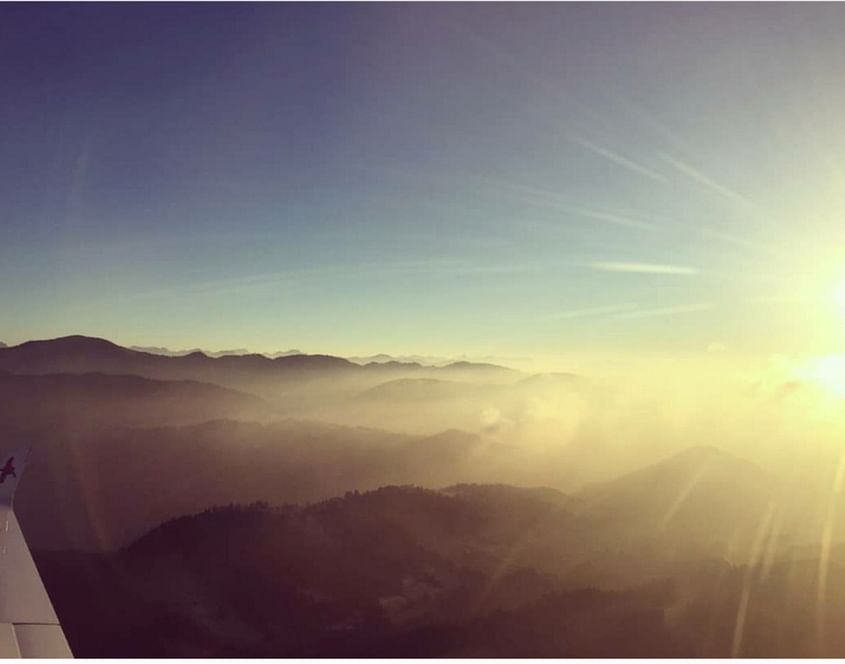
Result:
pixel 129 439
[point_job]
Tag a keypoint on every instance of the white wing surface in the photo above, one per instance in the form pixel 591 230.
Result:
pixel 29 626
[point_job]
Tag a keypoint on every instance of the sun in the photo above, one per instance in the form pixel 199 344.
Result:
pixel 827 370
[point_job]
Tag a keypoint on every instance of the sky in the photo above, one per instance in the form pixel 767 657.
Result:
pixel 532 180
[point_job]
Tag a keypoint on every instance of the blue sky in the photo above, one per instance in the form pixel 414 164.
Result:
pixel 452 179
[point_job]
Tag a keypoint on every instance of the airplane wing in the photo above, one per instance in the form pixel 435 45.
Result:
pixel 29 626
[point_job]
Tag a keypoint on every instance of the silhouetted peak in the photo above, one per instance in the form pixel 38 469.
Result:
pixel 75 343
pixel 703 478
pixel 322 361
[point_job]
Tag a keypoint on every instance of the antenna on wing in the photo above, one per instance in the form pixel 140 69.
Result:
pixel 10 473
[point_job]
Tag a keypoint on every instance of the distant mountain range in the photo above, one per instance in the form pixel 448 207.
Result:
pixel 160 350
pixel 380 358
pixel 283 380
pixel 79 353
pixel 425 360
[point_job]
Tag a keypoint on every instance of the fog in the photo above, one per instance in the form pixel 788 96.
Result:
pixel 182 433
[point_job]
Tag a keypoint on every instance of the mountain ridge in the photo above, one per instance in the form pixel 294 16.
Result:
pixel 79 344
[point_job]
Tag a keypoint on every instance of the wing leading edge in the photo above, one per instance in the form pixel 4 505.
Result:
pixel 29 626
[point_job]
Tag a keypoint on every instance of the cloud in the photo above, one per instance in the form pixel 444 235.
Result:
pixel 556 201
pixel 619 160
pixel 592 311
pixel 666 311
pixel 703 179
pixel 644 268
pixel 293 278
pixel 612 218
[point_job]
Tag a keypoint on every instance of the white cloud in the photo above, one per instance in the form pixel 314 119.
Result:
pixel 643 268
pixel 666 311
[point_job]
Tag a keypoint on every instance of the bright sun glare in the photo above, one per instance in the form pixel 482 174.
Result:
pixel 828 371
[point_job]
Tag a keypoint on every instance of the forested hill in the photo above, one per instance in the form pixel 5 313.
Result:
pixel 404 571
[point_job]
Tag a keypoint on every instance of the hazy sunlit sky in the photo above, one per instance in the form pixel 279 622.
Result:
pixel 453 179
